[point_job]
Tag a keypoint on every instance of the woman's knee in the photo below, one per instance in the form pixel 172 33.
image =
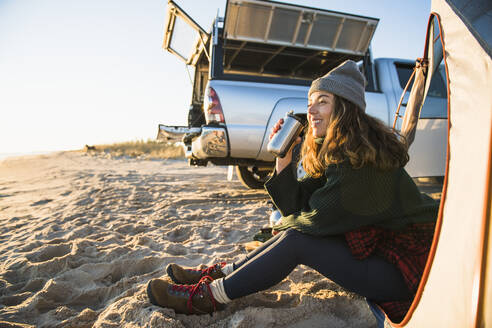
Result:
pixel 292 234
pixel 294 239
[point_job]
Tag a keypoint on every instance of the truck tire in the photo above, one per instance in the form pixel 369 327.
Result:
pixel 252 178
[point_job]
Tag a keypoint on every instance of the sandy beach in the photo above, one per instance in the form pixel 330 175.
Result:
pixel 81 235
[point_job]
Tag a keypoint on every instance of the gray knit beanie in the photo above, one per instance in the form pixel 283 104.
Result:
pixel 345 81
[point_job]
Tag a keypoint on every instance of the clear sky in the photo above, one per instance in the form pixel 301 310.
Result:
pixel 76 72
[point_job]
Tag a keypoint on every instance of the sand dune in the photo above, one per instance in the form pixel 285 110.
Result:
pixel 81 235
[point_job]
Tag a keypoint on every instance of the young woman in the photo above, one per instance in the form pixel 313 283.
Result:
pixel 357 217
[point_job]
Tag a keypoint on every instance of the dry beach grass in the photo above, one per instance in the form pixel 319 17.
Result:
pixel 150 149
pixel 82 233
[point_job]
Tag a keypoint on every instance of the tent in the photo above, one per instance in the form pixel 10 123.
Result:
pixel 456 287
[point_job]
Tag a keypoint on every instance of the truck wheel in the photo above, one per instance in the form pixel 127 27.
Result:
pixel 252 177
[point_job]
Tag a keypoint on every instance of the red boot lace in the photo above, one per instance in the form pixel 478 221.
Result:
pixel 192 290
pixel 207 271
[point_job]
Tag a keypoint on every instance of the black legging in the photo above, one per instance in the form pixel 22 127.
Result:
pixel 270 263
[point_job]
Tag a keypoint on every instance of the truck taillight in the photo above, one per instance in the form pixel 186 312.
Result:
pixel 213 108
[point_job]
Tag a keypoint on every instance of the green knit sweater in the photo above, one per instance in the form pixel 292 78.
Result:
pixel 345 199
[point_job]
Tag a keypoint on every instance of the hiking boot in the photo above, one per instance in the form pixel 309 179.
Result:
pixel 187 299
pixel 190 276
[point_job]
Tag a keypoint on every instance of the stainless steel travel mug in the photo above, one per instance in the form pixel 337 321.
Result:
pixel 281 142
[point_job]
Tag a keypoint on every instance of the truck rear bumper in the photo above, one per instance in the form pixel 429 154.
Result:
pixel 200 142
pixel 212 142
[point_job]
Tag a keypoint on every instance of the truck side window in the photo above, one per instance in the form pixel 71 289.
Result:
pixel 435 105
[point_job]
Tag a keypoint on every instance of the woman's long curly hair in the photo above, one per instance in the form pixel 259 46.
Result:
pixel 355 136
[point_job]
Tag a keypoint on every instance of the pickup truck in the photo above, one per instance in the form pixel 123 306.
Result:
pixel 256 63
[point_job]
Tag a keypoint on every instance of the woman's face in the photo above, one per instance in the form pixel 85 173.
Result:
pixel 320 107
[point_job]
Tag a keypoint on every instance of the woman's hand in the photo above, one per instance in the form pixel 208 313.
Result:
pixel 282 163
pixel 276 127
